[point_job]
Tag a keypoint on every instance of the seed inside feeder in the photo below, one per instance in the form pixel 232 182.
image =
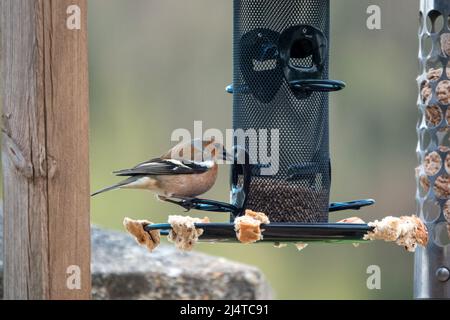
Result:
pixel 285 201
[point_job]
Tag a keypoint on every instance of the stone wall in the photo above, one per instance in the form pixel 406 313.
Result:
pixel 123 270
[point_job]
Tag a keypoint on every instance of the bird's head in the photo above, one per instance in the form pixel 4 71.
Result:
pixel 200 150
pixel 213 150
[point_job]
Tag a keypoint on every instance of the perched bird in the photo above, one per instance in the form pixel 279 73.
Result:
pixel 187 170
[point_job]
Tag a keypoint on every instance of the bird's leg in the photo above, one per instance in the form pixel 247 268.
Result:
pixel 185 202
pixel 202 204
pixel 199 204
pixel 212 205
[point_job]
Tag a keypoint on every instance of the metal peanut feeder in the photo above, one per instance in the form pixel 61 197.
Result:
pixel 432 264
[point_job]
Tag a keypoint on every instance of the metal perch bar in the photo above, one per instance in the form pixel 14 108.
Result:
pixel 350 205
pixel 217 206
pixel 280 232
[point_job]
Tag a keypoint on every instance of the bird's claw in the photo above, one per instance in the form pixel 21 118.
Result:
pixel 191 203
pixel 186 203
pixel 202 204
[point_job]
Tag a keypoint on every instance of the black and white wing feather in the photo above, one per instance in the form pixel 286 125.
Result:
pixel 166 167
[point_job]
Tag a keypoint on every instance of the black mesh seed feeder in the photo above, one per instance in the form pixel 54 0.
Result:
pixel 280 81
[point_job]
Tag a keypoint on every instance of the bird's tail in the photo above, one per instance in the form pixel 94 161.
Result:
pixel 115 186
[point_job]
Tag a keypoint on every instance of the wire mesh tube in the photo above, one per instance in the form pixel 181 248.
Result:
pixel 276 43
pixel 432 264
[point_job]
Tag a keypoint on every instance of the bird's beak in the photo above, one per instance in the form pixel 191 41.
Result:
pixel 227 156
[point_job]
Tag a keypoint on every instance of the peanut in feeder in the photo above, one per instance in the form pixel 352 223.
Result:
pixel 445 44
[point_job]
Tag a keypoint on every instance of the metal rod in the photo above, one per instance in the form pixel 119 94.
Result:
pixel 280 232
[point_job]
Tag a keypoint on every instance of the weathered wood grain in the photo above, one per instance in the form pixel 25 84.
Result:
pixel 44 149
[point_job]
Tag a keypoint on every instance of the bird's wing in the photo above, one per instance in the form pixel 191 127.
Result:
pixel 166 167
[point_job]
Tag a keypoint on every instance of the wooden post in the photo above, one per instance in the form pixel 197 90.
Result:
pixel 45 149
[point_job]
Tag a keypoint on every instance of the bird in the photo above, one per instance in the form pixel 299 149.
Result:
pixel 186 171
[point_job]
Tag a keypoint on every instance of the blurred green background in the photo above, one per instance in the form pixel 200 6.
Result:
pixel 158 65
